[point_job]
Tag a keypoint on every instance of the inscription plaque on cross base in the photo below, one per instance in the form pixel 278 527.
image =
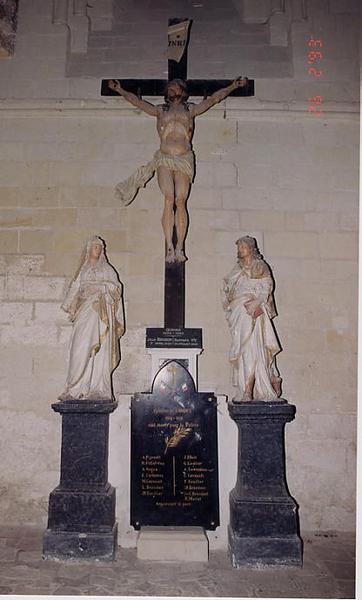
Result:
pixel 174 464
pixel 173 337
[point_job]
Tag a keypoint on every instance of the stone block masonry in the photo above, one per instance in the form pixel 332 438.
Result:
pixel 60 55
pixel 302 229
pixel 265 167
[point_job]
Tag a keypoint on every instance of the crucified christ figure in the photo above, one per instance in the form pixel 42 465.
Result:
pixel 174 161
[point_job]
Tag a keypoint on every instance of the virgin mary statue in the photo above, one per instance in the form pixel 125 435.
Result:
pixel 94 304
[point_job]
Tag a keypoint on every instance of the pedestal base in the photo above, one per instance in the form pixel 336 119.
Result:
pixel 78 545
pixel 264 529
pixel 173 544
pixel 91 511
pixel 81 516
pixel 268 551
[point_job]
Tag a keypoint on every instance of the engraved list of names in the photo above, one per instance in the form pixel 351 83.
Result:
pixel 174 470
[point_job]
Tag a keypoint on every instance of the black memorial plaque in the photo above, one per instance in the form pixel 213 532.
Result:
pixel 174 460
pixel 168 337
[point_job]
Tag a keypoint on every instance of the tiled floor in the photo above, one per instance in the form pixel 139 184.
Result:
pixel 328 572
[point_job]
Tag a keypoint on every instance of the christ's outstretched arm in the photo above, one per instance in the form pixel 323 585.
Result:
pixel 217 96
pixel 147 107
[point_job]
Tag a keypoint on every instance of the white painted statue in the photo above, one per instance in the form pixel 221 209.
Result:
pixel 247 296
pixel 94 304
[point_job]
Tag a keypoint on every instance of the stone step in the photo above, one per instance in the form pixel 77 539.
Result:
pixel 173 544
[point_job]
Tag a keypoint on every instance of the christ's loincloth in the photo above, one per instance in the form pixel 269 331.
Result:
pixel 127 190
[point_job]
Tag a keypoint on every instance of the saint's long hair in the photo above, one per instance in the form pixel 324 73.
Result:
pixel 252 243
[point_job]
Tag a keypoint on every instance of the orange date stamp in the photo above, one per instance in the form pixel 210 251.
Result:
pixel 314 61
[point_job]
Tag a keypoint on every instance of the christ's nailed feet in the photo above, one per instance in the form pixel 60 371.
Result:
pixel 170 255
pixel 179 255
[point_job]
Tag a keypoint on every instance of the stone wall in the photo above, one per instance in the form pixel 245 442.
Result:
pixel 64 47
pixel 267 168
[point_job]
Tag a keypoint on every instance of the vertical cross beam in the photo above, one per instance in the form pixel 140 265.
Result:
pixel 178 70
pixel 174 291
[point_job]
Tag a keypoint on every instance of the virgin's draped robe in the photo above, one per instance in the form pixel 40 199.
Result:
pixel 94 300
pixel 253 340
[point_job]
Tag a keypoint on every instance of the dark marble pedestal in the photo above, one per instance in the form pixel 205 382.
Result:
pixel 81 519
pixel 263 529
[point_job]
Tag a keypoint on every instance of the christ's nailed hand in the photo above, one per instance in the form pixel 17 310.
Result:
pixel 241 81
pixel 114 85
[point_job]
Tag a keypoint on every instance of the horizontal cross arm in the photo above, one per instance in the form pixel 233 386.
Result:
pixel 196 87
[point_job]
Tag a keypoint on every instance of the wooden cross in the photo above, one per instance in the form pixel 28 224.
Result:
pixel 174 291
pixel 177 70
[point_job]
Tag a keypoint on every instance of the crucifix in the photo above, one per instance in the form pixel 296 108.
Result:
pixel 173 370
pixel 174 161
